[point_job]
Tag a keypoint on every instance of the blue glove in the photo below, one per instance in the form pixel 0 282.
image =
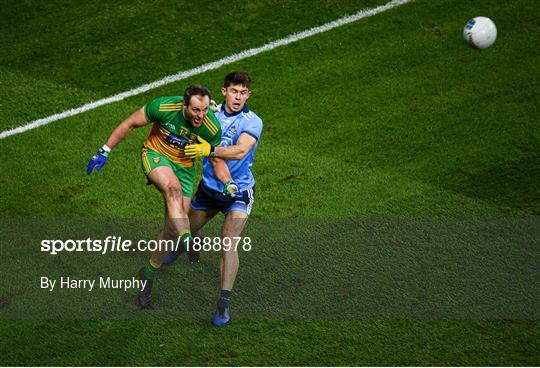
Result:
pixel 97 161
pixel 230 189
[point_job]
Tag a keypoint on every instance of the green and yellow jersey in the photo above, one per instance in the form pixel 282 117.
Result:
pixel 171 132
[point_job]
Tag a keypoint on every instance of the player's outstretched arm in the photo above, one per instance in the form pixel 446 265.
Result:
pixel 137 119
pixel 237 152
pixel 243 145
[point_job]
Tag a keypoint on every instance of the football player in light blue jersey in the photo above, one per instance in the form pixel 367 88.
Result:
pixel 242 123
pixel 227 186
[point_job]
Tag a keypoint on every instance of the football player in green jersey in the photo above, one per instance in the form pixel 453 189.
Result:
pixel 177 122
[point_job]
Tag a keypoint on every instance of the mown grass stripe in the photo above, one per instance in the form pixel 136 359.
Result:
pixel 203 68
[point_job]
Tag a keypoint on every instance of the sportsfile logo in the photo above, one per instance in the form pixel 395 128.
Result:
pixel 118 244
pixel 110 244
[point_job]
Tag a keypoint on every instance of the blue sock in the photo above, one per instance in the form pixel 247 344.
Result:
pixel 224 297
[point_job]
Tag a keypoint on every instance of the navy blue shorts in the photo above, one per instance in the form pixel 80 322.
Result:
pixel 207 199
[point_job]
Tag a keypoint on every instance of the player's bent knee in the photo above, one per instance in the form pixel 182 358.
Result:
pixel 173 191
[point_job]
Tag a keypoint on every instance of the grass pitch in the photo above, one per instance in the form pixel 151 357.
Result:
pixel 392 118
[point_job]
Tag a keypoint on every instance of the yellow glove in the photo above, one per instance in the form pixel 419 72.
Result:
pixel 203 149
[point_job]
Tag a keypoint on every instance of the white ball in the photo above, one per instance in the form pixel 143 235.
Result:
pixel 480 32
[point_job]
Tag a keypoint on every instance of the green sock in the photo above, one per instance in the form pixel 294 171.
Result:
pixel 150 271
pixel 186 239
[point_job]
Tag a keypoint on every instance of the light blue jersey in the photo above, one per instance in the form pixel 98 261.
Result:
pixel 232 126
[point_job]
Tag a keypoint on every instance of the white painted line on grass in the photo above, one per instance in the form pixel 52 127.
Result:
pixel 204 68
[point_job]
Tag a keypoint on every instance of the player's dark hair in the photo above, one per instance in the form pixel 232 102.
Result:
pixel 242 78
pixel 195 90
